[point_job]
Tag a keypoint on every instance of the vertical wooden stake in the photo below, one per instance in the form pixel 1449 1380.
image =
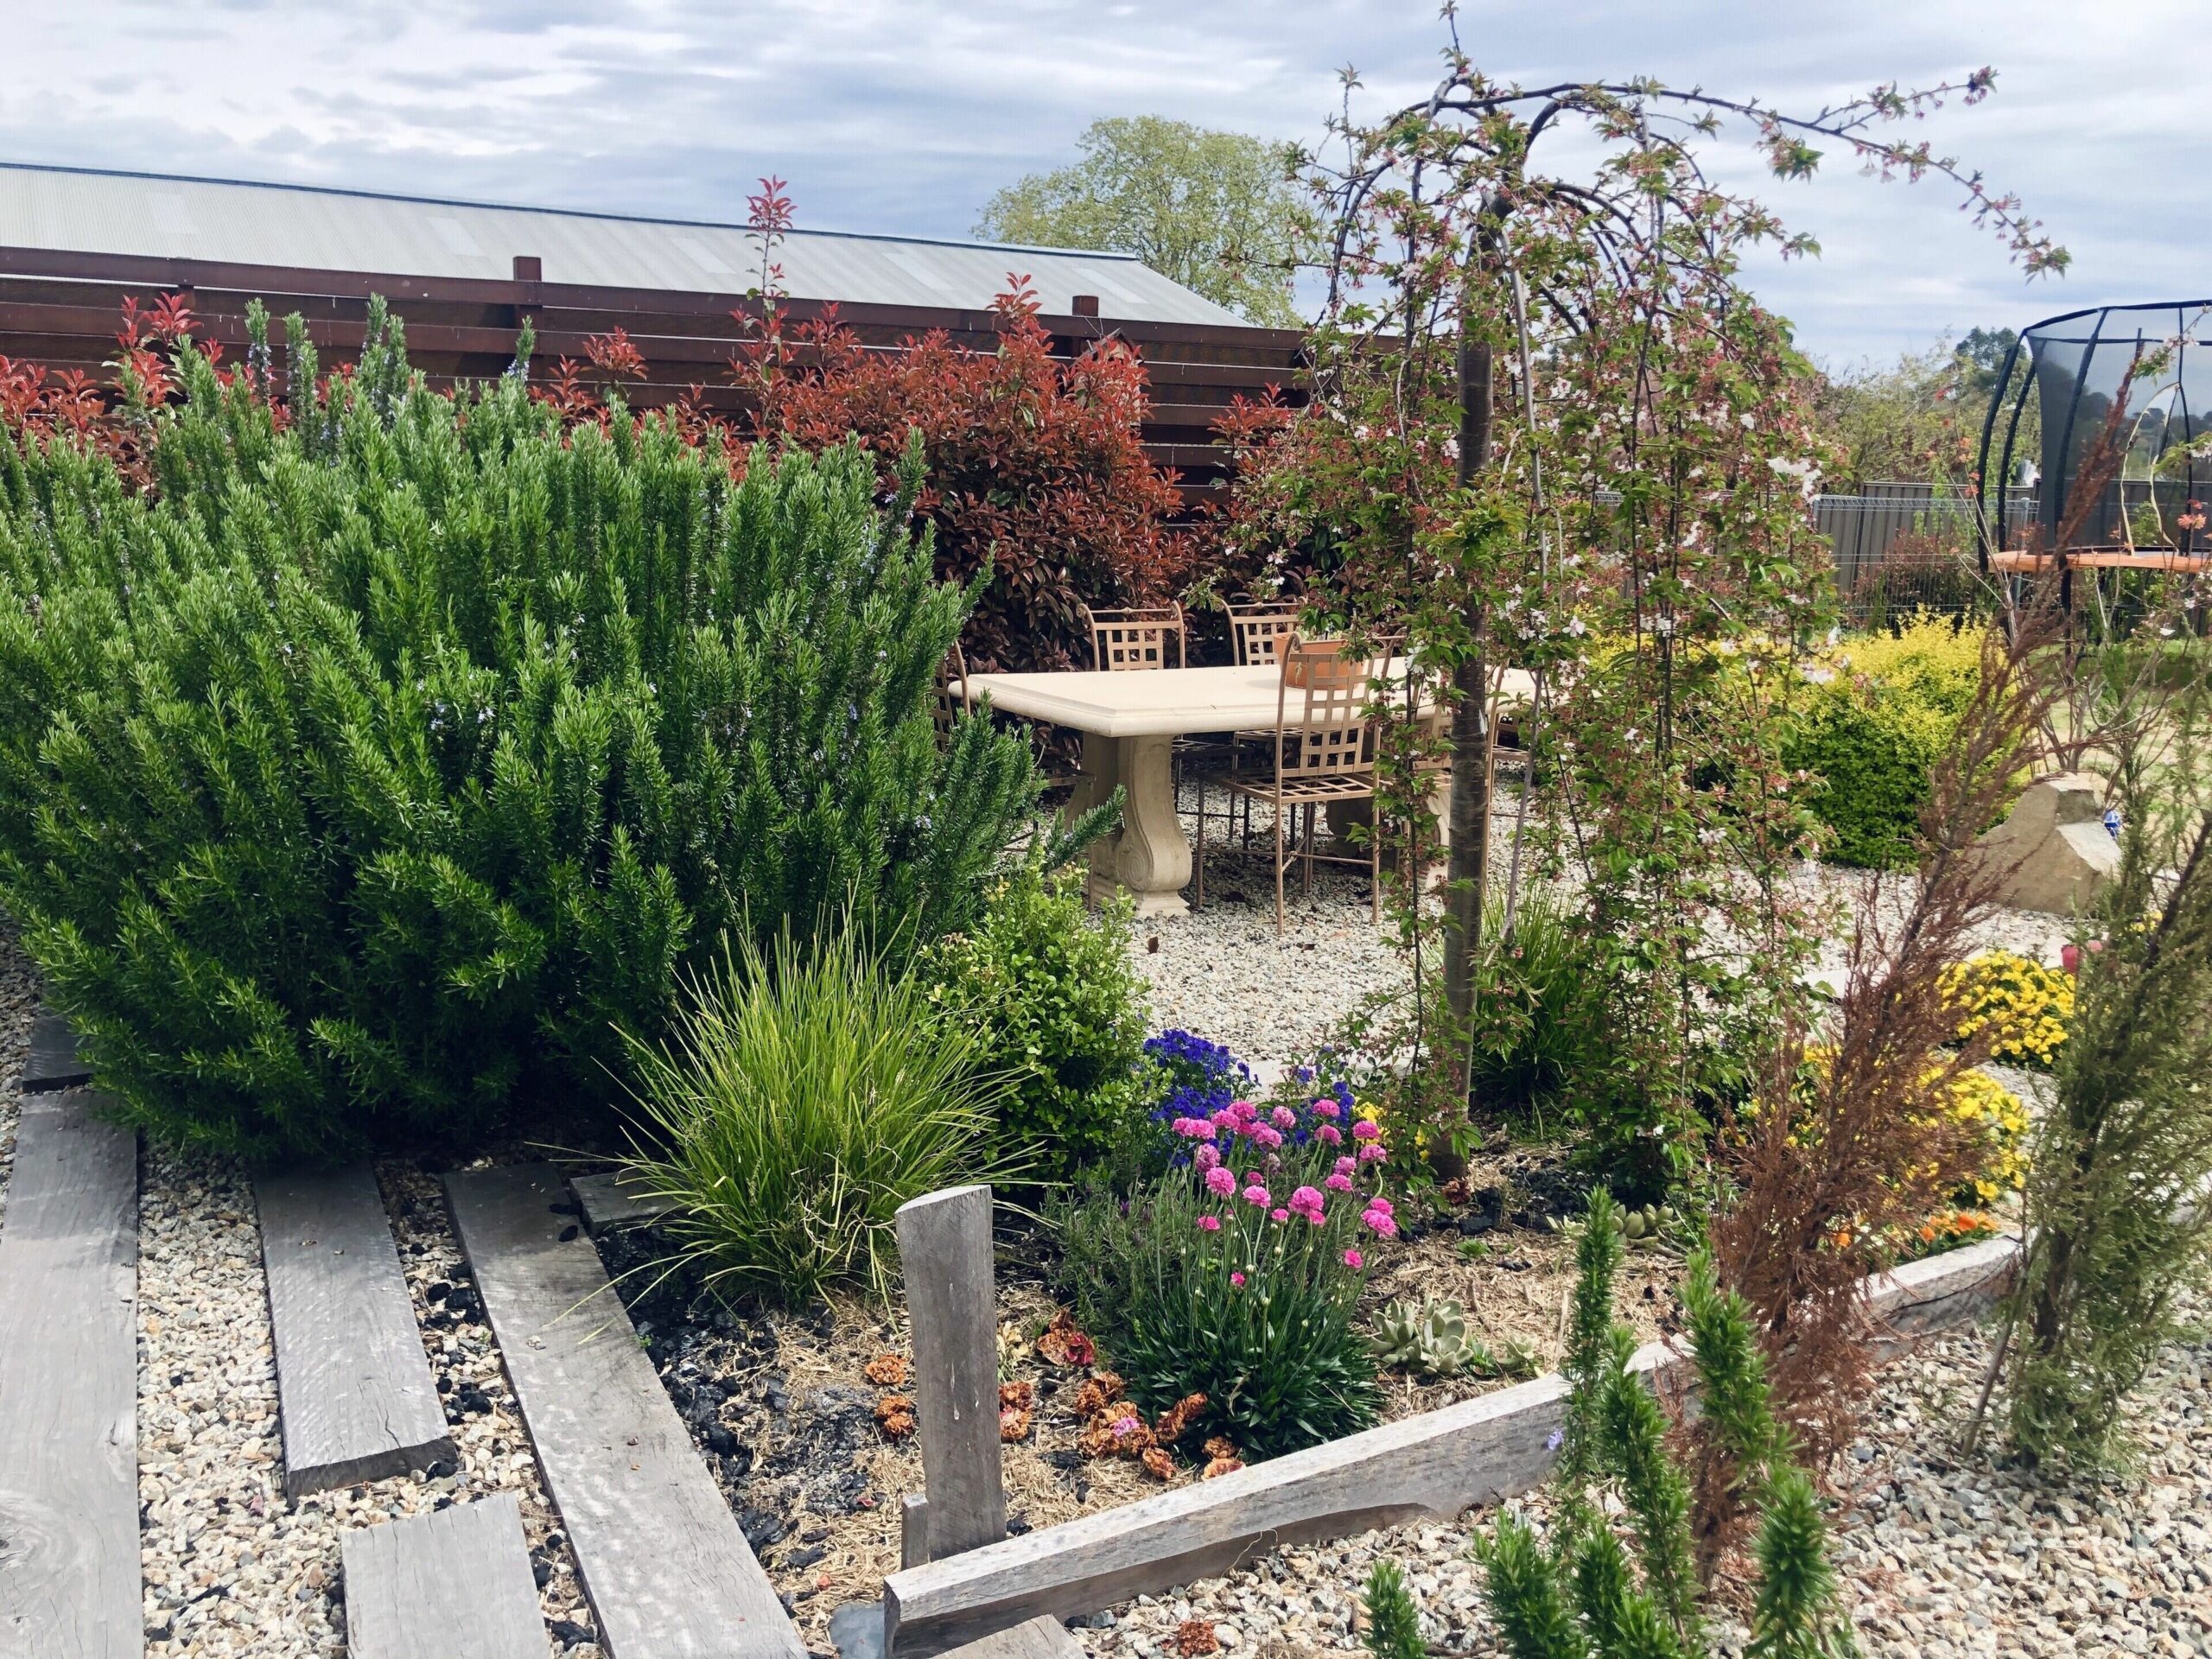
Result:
pixel 944 1251
pixel 913 1531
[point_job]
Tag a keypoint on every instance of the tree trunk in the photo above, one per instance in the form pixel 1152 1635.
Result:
pixel 1471 765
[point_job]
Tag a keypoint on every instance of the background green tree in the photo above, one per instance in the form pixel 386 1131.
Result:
pixel 1219 212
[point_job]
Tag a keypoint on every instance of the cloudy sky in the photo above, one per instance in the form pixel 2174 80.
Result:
pixel 905 115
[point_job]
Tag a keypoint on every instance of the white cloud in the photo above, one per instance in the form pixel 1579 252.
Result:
pixel 903 115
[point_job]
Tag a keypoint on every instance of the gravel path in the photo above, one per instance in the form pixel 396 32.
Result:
pixel 232 1568
pixel 1943 1559
pixel 1222 972
pixel 18 1007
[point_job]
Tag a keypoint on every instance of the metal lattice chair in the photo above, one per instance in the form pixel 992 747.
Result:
pixel 1322 751
pixel 1137 638
pixel 953 699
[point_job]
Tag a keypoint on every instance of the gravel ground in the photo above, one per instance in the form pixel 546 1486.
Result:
pixel 1943 1559
pixel 18 1006
pixel 1222 972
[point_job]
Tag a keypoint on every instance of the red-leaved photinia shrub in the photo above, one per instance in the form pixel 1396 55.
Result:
pixel 1035 464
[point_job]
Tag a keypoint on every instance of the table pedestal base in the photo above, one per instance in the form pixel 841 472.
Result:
pixel 1148 856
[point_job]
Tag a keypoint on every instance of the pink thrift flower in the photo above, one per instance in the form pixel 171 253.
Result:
pixel 1381 1222
pixel 1354 1260
pixel 1279 1215
pixel 1284 1117
pixel 1364 1130
pixel 1220 1182
pixel 1194 1128
pixel 1338 1183
pixel 1370 1152
pixel 1266 1135
pixel 1326 1109
pixel 1378 1202
pixel 1307 1202
pixel 1125 1426
pixel 1206 1157
pixel 1237 1278
pixel 1329 1134
pixel 1209 1224
pixel 1241 1111
pixel 1258 1196
pixel 1344 1165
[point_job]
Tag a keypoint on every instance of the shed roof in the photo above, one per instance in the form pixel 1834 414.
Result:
pixel 89 210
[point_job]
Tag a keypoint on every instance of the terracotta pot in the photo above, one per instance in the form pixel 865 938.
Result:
pixel 1318 662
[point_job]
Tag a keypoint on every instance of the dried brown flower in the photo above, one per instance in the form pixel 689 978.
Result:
pixel 1220 1466
pixel 894 1415
pixel 1195 1637
pixel 887 1370
pixel 1176 1420
pixel 1158 1464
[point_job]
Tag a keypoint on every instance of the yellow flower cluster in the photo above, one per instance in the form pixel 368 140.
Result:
pixel 1980 1101
pixel 2027 1003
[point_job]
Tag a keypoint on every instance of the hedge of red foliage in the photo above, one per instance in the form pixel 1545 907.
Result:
pixel 1035 464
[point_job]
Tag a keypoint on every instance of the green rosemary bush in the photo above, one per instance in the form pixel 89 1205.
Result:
pixel 1393 1620
pixel 358 780
pixel 802 1095
pixel 1602 1592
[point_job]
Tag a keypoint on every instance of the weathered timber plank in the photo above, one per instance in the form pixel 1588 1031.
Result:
pixel 69 1570
pixel 1037 1638
pixel 944 1258
pixel 607 1202
pixel 668 1573
pixel 452 1581
pixel 54 1062
pixel 1438 1463
pixel 354 1394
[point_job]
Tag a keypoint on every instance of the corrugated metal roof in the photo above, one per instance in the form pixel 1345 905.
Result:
pixel 93 211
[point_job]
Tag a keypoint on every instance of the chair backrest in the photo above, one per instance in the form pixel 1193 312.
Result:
pixel 1322 729
pixel 1135 638
pixel 952 697
pixel 1257 629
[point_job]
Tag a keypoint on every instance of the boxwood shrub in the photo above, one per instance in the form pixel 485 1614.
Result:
pixel 1872 731
pixel 359 777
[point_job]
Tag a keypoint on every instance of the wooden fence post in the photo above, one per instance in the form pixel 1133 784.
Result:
pixel 945 1252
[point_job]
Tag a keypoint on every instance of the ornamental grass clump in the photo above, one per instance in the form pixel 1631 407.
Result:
pixel 1601 1588
pixel 802 1095
pixel 363 771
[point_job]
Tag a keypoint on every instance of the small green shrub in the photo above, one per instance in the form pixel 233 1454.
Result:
pixel 1596 1595
pixel 359 779
pixel 1873 732
pixel 802 1097
pixel 1393 1620
pixel 1052 991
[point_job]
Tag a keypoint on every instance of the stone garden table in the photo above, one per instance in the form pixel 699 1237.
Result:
pixel 1131 723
